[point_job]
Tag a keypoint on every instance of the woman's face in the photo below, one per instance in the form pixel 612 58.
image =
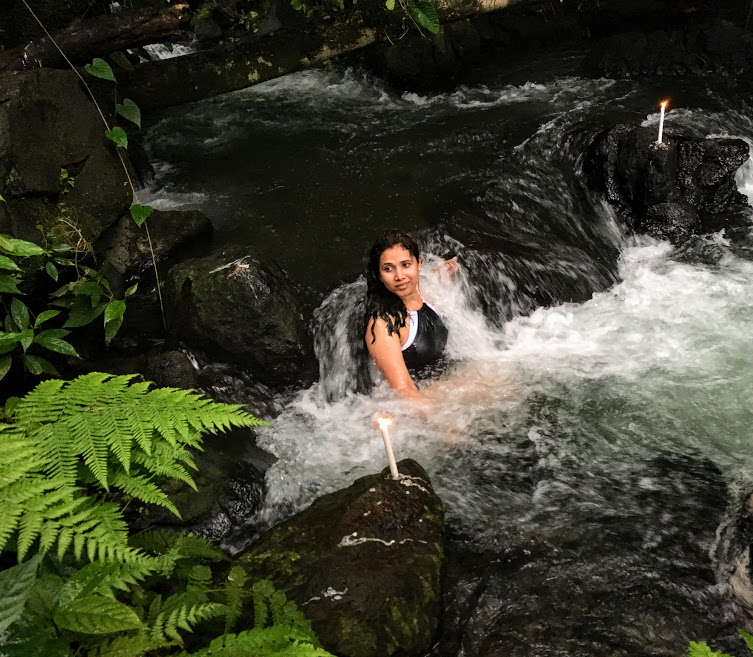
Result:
pixel 398 270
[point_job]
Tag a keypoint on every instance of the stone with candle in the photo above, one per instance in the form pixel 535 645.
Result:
pixel 363 563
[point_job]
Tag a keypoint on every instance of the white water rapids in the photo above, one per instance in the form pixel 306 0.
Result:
pixel 589 453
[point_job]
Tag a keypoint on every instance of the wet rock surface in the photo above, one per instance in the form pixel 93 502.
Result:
pixel 44 111
pixel 711 49
pixel 125 249
pixel 363 564
pixel 236 309
pixel 672 190
pixel 230 488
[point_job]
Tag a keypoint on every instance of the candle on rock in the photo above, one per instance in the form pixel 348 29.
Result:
pixel 663 106
pixel 385 422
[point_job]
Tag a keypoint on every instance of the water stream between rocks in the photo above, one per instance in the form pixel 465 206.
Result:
pixel 593 436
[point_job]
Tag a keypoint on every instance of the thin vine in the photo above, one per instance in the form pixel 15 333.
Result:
pixel 120 155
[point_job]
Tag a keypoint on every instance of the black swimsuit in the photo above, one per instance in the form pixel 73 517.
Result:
pixel 424 354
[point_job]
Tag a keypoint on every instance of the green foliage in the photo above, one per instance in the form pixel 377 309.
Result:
pixel 276 641
pixel 118 136
pixel 99 68
pixel 423 13
pixel 104 431
pixel 15 588
pixel 249 20
pixel 140 213
pixel 130 111
pixel 701 649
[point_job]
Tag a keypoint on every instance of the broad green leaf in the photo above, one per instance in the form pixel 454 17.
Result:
pixel 37 365
pixel 112 328
pixel 141 213
pixel 56 344
pixel 425 14
pixel 44 594
pixel 7 263
pixel 118 136
pixel 89 289
pixel 15 588
pixel 747 638
pixel 8 284
pixel 44 316
pixel 81 315
pixel 99 68
pixel 10 405
pixel 27 337
pixel 95 614
pixel 1 198
pixel 52 270
pixel 61 247
pixel 8 340
pixel 121 60
pixel 390 4
pixel 20 313
pixel 131 290
pixel 20 247
pixel 5 363
pixel 115 309
pixel 129 110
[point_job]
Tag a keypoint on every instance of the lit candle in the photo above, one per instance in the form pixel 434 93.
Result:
pixel 385 422
pixel 664 104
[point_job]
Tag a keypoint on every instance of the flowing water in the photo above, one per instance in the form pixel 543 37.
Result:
pixel 593 435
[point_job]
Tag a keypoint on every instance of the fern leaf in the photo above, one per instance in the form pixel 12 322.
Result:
pixel 199 579
pixel 236 580
pixel 266 642
pixel 95 614
pixel 142 489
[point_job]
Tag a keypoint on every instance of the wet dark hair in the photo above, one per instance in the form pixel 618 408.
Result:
pixel 380 302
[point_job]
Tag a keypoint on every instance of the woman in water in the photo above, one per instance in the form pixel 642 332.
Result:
pixel 404 335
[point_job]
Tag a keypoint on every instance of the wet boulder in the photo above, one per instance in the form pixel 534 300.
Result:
pixel 236 309
pixel 363 564
pixel 229 490
pixel 125 249
pixel 716 47
pixel 670 190
pixel 57 168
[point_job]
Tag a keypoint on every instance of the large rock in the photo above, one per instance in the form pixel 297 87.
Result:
pixel 125 249
pixel 230 488
pixel 363 564
pixel 718 48
pixel 674 189
pixel 236 309
pixel 47 124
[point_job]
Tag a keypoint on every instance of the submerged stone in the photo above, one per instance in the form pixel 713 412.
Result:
pixel 363 564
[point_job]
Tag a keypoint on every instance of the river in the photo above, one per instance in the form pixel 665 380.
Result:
pixel 592 439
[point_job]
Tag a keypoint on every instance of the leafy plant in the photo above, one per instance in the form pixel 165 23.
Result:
pixel 423 13
pixel 74 453
pixel 701 649
pixel 249 20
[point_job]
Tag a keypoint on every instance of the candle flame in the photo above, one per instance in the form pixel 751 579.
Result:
pixel 664 103
pixel 384 422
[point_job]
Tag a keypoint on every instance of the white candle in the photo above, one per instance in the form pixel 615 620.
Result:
pixel 385 422
pixel 664 104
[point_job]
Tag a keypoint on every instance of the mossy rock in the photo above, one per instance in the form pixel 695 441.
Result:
pixel 363 564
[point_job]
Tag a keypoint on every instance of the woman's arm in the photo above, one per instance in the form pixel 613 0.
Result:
pixel 386 353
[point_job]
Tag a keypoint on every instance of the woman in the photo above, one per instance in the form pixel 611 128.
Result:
pixel 404 335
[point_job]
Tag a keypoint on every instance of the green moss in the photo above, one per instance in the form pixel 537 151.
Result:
pixel 205 11
pixel 11 177
pixel 357 639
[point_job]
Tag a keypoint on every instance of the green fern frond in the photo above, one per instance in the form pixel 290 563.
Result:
pixel 184 546
pixel 95 429
pixel 199 579
pixel 234 592
pixel 266 642
pixel 142 489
